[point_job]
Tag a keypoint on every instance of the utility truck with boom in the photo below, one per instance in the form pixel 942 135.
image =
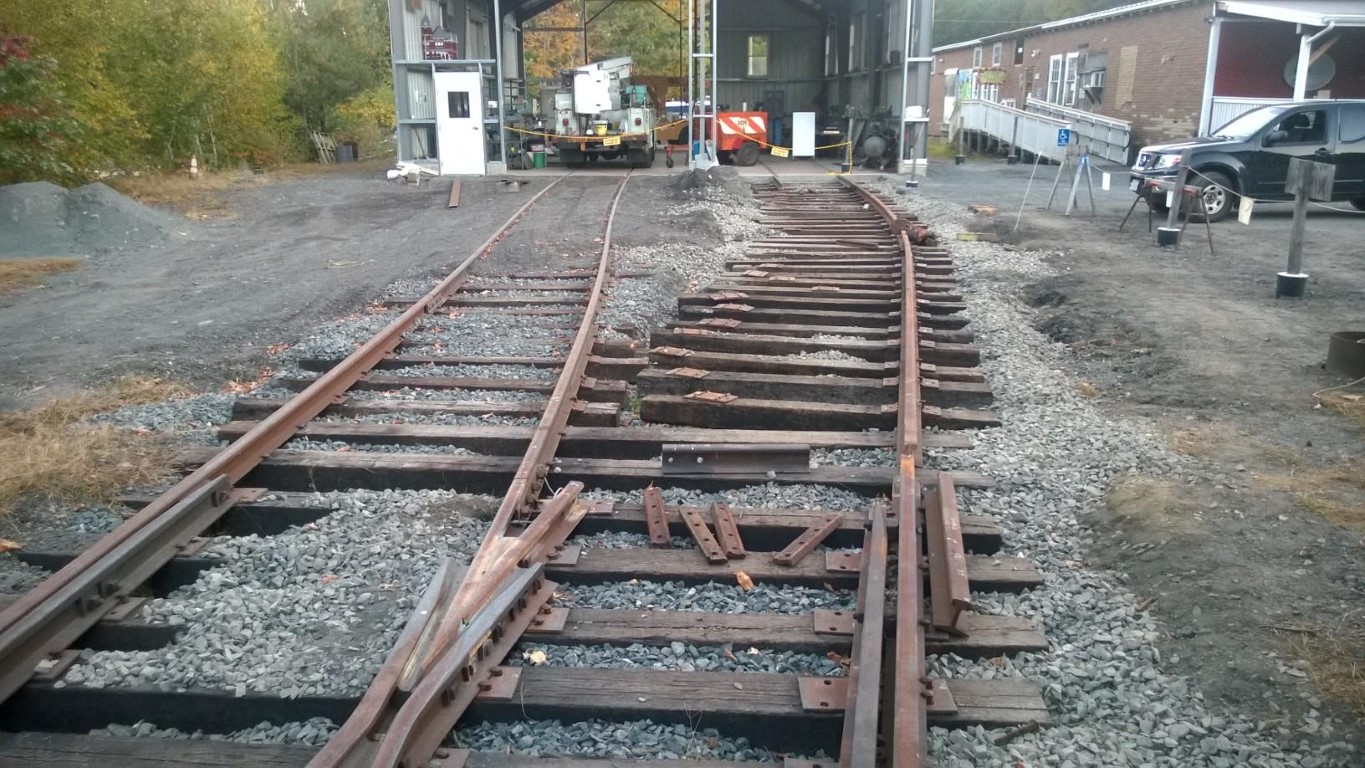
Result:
pixel 601 114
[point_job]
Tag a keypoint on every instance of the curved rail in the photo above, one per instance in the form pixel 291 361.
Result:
pixel 501 592
pixel 909 689
pixel 53 614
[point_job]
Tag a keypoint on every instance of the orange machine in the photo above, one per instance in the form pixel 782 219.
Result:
pixel 740 140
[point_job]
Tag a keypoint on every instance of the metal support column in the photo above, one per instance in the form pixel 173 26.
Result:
pixel 701 82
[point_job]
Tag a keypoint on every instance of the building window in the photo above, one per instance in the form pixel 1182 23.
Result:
pixel 976 57
pixel 1069 80
pixel 1054 79
pixel 457 104
pixel 996 51
pixel 758 56
pixel 1018 52
pixel 855 53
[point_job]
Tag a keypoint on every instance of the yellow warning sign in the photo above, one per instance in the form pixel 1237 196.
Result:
pixel 611 141
pixel 781 152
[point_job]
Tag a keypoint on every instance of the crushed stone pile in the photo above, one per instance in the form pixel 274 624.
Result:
pixel 717 179
pixel 40 220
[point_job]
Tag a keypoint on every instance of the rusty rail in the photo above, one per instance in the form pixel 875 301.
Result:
pixel 475 628
pixel 42 621
pixel 910 688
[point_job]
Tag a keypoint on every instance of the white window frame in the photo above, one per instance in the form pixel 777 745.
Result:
pixel 1070 78
pixel 751 58
pixel 976 57
pixel 1054 79
pixel 831 61
pixel 996 51
pixel 854 57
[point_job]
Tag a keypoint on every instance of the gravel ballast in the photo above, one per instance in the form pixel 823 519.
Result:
pixel 312 611
pixel 1053 461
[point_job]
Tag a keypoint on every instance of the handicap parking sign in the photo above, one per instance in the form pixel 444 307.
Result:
pixel 1063 137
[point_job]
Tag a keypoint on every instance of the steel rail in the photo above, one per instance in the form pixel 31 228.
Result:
pixel 40 618
pixel 535 463
pixel 911 688
pixel 426 670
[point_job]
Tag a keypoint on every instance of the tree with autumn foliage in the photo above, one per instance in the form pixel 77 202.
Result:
pixel 641 29
pixel 35 124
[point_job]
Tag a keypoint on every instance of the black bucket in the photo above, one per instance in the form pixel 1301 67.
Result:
pixel 1346 353
pixel 1289 285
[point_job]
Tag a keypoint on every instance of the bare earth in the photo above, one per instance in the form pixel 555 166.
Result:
pixel 1263 596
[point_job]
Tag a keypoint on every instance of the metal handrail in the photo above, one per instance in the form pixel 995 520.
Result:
pixel 1027 131
pixel 1105 137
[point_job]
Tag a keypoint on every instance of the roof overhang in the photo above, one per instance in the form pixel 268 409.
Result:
pixel 1311 13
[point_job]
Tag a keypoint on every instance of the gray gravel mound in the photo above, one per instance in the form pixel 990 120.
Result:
pixel 314 732
pixel 40 219
pixel 675 657
pixel 311 611
pixel 636 740
pixel 708 598
pixel 200 413
pixel 767 495
pixel 18 577
pixel 309 444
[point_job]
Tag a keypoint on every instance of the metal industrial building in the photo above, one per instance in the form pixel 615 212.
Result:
pixel 842 59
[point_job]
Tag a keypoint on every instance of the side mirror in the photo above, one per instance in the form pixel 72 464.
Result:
pixel 1275 137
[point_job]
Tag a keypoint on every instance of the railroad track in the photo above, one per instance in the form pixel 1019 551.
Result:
pixel 833 343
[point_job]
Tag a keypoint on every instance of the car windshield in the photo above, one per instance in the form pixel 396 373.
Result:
pixel 1247 125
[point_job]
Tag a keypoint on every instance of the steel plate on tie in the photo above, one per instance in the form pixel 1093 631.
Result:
pixel 711 397
pixel 549 620
pixel 829 622
pixel 671 351
pixel 691 373
pixel 720 322
pixel 501 684
pixel 823 694
pixel 843 562
pixel 735 307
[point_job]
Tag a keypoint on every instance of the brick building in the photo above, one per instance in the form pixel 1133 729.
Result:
pixel 1171 68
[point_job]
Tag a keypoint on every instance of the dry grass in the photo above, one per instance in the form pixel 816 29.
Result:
pixel 1087 390
pixel 197 199
pixel 1335 492
pixel 1198 440
pixel 1336 661
pixel 17 274
pixel 1348 404
pixel 47 451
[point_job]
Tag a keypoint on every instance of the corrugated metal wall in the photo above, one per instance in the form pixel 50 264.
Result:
pixel 796 44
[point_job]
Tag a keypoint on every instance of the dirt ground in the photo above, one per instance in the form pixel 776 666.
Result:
pixel 1258 573
pixel 284 257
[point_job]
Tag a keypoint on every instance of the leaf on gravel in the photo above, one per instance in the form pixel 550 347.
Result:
pixel 9 545
pixel 535 657
pixel 275 349
pixel 728 651
pixel 745 583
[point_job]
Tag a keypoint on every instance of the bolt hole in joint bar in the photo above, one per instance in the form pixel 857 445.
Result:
pixel 39 621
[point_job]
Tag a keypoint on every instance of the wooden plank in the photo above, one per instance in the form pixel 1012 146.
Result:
pixel 321 364
pixel 805 317
pixel 288 470
pixel 592 414
pixel 67 750
pixel 704 340
pixel 864 306
pixel 985 573
pixel 987 635
pixel 993 702
pixel 849 390
pixel 454 201
pixel 786 414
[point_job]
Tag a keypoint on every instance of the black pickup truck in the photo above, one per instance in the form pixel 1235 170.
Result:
pixel 1250 155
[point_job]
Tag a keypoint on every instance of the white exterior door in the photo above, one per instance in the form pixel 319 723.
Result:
pixel 459 123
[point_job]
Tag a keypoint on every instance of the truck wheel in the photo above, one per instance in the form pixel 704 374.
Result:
pixel 571 158
pixel 1219 199
pixel 747 154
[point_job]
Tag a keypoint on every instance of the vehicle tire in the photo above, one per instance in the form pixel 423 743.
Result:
pixel 1219 201
pixel 571 158
pixel 747 154
pixel 1358 203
